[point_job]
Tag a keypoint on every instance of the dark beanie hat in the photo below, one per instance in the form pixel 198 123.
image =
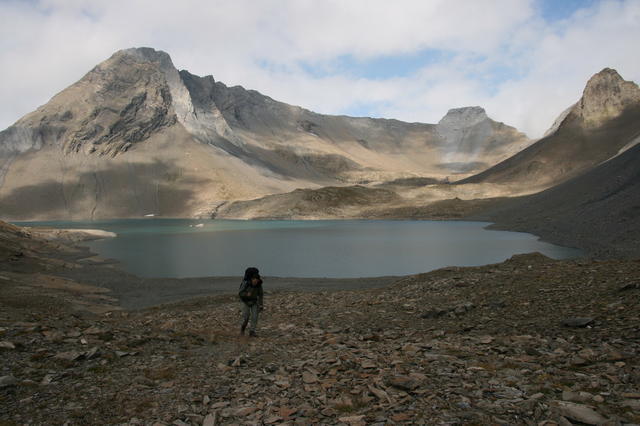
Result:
pixel 251 273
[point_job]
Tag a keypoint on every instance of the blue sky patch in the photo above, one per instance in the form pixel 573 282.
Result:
pixel 557 10
pixel 378 68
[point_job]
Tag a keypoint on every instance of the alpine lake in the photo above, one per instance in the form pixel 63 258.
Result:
pixel 180 248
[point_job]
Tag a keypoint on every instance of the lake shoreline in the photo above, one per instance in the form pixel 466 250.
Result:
pixel 311 249
pixel 134 291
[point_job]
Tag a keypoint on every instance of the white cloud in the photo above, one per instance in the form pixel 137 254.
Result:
pixel 47 45
pixel 564 57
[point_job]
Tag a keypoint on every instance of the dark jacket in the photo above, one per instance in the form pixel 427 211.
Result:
pixel 251 295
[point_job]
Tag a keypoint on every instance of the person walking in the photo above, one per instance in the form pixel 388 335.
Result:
pixel 252 298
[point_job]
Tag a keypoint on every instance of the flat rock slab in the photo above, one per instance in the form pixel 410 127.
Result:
pixel 6 381
pixel 580 413
pixel 578 322
pixel 403 382
pixel 309 377
pixel 70 356
pixel 7 345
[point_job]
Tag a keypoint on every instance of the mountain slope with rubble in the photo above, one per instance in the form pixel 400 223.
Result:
pixel 596 211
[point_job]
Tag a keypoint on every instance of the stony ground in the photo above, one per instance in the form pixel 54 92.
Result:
pixel 529 341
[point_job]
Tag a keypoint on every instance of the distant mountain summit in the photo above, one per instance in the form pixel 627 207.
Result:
pixel 471 138
pixel 597 209
pixel 606 96
pixel 602 124
pixel 135 136
pixel 120 102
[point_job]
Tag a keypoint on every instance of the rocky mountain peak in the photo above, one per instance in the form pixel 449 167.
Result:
pixel 148 54
pixel 606 77
pixel 120 102
pixel 467 132
pixel 606 96
pixel 463 117
pixel 134 63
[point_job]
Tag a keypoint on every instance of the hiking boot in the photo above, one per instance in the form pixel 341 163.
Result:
pixel 252 333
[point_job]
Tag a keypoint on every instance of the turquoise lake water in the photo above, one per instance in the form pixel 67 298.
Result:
pixel 334 249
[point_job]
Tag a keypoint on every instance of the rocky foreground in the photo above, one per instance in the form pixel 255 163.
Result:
pixel 529 341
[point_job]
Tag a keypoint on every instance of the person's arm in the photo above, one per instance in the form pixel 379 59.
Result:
pixel 243 289
pixel 260 298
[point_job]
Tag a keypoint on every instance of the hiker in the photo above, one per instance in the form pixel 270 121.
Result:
pixel 252 300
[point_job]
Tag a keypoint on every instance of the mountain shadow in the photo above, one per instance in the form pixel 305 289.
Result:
pixel 123 190
pixel 597 211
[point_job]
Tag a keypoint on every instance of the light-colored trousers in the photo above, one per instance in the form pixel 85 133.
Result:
pixel 250 313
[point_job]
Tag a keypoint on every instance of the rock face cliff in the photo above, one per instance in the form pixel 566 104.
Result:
pixel 604 122
pixel 605 97
pixel 135 136
pixel 470 139
pixel 120 102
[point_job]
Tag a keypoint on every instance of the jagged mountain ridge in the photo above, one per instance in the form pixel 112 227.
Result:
pixel 602 126
pixel 348 149
pixel 135 136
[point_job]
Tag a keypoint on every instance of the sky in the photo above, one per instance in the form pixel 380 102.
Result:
pixel 524 61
